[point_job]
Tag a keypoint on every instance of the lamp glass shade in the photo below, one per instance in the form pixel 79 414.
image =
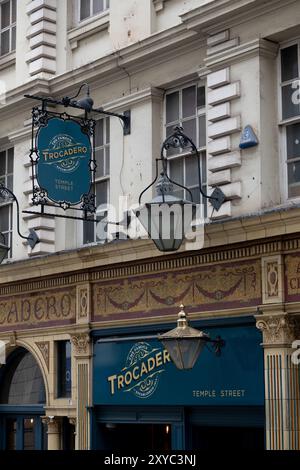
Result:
pixel 184 352
pixel 166 220
pixel 184 343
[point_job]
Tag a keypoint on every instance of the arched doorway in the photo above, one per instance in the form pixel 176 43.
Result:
pixel 22 401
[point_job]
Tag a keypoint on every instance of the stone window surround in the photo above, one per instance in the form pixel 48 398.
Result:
pixel 7 60
pixel 283 123
pixel 88 27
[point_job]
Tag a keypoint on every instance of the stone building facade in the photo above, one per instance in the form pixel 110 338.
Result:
pixel 215 67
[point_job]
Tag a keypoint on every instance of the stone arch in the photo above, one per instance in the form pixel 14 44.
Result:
pixel 39 360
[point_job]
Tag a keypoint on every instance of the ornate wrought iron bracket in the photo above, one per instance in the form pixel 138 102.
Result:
pixel 180 140
pixel 86 104
pixel 7 195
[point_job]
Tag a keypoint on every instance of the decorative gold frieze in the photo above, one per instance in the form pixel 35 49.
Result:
pixel 44 348
pixel 38 309
pixel 218 286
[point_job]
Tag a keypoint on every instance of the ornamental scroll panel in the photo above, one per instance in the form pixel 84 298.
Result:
pixel 214 287
pixel 272 279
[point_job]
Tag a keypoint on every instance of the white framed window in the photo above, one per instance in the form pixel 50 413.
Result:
pixel 102 152
pixel 186 107
pixel 88 8
pixel 6 208
pixel 290 116
pixel 8 17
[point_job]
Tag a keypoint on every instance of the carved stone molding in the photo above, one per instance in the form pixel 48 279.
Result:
pixel 53 423
pixel 73 421
pixel 278 329
pixel 81 343
pixel 83 304
pixel 272 277
pixel 44 348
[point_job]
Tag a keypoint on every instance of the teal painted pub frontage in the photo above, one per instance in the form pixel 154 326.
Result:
pixel 141 399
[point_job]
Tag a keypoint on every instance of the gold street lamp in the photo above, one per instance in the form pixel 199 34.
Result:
pixel 184 343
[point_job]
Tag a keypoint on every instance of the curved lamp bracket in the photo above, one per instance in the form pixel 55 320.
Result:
pixel 7 195
pixel 180 140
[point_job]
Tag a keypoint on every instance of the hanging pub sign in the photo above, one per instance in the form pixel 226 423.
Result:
pixel 63 165
pixel 63 162
pixel 62 155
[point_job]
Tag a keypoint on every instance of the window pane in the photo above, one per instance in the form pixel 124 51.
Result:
pixel 190 129
pixel 203 167
pixel 107 161
pixel 2 163
pixel 5 15
pixel 172 107
pixel 191 171
pixel 294 179
pixel 14 11
pixel 28 427
pixel 64 382
pixel 10 182
pixel 201 99
pixel 107 140
pixel 195 194
pixel 171 151
pixel 290 98
pixel 189 101
pixel 5 42
pixel 88 232
pixel 97 6
pixel 101 193
pixel 202 131
pixel 100 163
pixel 176 171
pixel 289 63
pixel 99 133
pixel 84 9
pixel 4 218
pixel 293 140
pixel 13 39
pixel 10 161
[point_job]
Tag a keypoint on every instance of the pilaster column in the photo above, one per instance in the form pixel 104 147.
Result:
pixel 82 355
pixel 54 425
pixel 282 381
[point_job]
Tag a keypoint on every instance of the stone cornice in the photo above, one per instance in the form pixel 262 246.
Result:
pixel 257 47
pixel 150 93
pixel 136 57
pixel 15 97
pixel 98 258
pixel 222 14
pixel 114 66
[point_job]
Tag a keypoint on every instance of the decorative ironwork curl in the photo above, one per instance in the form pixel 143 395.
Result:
pixel 89 203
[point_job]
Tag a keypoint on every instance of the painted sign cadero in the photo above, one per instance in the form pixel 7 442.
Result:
pixel 141 374
pixel 37 309
pixel 63 167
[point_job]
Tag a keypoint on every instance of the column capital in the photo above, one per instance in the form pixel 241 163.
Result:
pixel 81 343
pixel 53 423
pixel 278 329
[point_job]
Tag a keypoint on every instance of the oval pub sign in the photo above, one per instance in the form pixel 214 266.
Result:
pixel 63 167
